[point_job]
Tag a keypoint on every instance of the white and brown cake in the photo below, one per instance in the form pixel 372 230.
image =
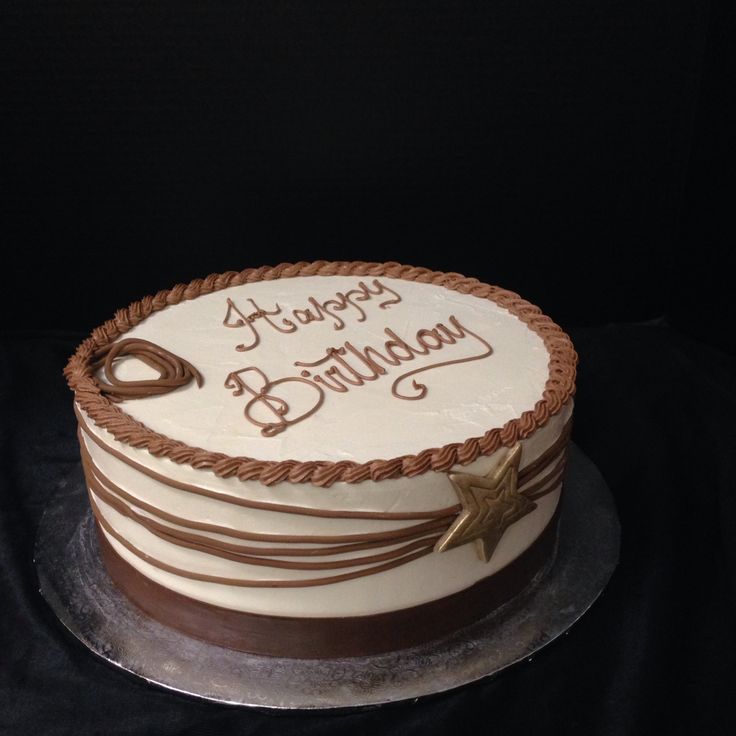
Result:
pixel 325 459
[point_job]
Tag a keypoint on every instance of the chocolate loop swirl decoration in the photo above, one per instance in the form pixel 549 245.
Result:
pixel 173 371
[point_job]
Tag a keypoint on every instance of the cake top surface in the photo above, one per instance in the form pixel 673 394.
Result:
pixel 330 366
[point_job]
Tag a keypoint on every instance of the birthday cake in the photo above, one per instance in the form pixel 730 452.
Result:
pixel 325 459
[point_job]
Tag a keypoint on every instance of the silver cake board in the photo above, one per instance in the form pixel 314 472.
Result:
pixel 75 583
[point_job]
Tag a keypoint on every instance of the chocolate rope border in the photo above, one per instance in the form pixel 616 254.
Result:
pixel 559 387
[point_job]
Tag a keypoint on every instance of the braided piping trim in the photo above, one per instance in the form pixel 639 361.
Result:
pixel 559 387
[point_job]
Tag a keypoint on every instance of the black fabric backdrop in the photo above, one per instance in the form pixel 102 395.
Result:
pixel 520 141
pixel 576 152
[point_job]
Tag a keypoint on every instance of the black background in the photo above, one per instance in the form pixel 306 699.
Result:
pixel 578 152
pixel 564 150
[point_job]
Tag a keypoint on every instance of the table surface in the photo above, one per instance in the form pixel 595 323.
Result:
pixel 655 413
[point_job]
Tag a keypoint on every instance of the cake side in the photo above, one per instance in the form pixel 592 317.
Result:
pixel 345 550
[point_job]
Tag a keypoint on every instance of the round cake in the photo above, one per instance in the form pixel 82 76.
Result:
pixel 325 459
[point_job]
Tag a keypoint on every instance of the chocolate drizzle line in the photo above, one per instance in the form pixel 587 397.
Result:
pixel 559 387
pixel 173 371
pixel 245 583
pixel 415 540
pixel 230 552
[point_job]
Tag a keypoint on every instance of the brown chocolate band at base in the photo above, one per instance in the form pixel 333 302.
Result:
pixel 321 638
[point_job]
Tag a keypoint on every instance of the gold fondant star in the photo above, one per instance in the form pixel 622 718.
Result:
pixel 491 504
